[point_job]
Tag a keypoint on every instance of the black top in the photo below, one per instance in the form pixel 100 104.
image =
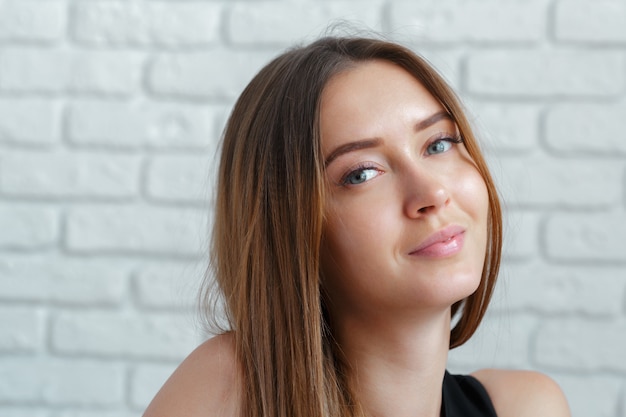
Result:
pixel 464 396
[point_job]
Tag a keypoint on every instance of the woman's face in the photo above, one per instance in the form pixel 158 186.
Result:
pixel 406 213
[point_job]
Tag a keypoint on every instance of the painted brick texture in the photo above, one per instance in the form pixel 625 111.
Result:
pixel 110 118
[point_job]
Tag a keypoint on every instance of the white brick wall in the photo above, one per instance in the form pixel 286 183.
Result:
pixel 162 23
pixel 32 21
pixel 471 21
pixel 68 70
pixel 110 115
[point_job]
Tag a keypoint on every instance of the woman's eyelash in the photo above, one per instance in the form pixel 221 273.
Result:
pixel 350 177
pixel 449 138
pixel 442 144
pixel 345 180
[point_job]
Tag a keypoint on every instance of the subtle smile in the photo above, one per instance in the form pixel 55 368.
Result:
pixel 443 243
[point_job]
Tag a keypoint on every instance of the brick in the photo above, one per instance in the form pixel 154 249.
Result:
pixel 63 281
pixel 158 23
pixel 29 121
pixel 27 227
pixel 182 178
pixel 157 336
pixel 12 411
pixel 210 74
pixel 501 341
pixel 506 128
pixel 94 413
pixel 521 235
pixel 549 289
pixel 32 21
pixel 581 345
pixel 56 174
pixel 540 181
pixel 463 21
pixel 546 73
pixel 145 382
pixel 586 237
pixel 39 380
pixel 22 329
pixel 41 70
pixel 446 61
pixel 136 230
pixel 171 286
pixel 587 129
pixel 278 23
pixel 141 123
pixel 590 395
pixel 590 22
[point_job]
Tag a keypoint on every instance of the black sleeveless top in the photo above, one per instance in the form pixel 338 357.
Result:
pixel 464 396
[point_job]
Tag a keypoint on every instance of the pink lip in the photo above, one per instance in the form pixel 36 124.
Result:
pixel 444 242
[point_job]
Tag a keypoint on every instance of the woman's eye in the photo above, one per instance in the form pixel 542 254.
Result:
pixel 440 146
pixel 359 176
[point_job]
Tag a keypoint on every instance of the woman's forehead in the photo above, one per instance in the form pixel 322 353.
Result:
pixel 357 101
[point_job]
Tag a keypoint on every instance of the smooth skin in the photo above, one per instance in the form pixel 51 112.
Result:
pixel 397 176
pixel 401 179
pixel 204 385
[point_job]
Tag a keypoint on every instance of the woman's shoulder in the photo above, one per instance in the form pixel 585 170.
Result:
pixel 523 393
pixel 203 385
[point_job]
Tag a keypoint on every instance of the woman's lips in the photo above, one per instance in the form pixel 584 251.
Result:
pixel 445 242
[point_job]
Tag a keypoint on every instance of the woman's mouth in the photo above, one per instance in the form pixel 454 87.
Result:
pixel 445 242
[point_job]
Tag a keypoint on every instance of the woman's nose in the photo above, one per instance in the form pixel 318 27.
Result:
pixel 424 194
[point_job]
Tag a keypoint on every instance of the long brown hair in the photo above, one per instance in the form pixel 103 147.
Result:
pixel 269 222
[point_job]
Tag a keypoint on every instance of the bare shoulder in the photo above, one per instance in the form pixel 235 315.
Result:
pixel 203 385
pixel 523 393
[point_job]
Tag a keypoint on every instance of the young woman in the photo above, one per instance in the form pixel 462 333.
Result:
pixel 356 221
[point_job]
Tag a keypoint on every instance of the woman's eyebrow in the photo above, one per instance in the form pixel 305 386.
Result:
pixel 372 143
pixel 352 146
pixel 431 120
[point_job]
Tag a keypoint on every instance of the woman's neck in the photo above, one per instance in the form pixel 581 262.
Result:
pixel 396 368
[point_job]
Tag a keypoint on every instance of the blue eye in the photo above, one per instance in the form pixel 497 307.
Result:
pixel 442 145
pixel 359 176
